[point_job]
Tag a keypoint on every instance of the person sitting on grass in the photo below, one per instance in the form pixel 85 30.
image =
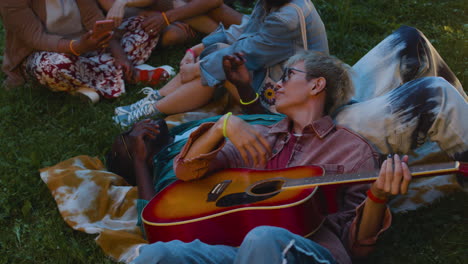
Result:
pixel 306 136
pixel 268 37
pixel 176 21
pixel 52 42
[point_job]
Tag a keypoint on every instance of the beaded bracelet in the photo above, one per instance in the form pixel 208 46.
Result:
pixel 374 198
pixel 71 48
pixel 226 117
pixel 165 18
pixel 251 102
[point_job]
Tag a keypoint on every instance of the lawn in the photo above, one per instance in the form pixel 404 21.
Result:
pixel 40 128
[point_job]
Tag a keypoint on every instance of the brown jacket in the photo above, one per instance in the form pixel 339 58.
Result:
pixel 335 148
pixel 24 22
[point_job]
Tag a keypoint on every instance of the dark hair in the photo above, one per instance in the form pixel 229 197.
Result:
pixel 118 160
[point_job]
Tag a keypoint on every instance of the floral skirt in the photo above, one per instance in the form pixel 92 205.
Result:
pixel 95 70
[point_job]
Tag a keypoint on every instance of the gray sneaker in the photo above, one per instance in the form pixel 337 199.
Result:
pixel 146 110
pixel 151 96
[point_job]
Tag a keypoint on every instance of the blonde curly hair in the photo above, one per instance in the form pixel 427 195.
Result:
pixel 339 87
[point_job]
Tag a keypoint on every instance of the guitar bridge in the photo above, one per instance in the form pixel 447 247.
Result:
pixel 217 190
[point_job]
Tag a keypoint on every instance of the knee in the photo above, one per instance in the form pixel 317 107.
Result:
pixel 52 60
pixel 414 56
pixel 409 32
pixel 153 253
pixel 265 234
pixel 419 98
pixel 170 37
pixel 423 90
pixel 216 3
pixel 177 34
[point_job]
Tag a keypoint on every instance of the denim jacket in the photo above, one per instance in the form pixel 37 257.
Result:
pixel 266 38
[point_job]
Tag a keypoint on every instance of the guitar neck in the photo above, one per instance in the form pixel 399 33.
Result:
pixel 417 171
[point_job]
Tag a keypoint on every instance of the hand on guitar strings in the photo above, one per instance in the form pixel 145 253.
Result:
pixel 393 179
pixel 252 146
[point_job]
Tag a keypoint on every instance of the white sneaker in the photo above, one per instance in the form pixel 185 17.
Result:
pixel 88 95
pixel 151 96
pixel 146 110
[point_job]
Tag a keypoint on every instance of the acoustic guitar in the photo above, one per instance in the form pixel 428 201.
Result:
pixel 223 207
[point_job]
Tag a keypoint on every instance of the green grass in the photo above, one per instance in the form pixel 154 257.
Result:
pixel 40 128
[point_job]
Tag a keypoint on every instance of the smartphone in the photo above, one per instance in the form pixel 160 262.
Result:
pixel 102 27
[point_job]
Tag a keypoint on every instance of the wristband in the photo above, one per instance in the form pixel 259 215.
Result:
pixel 374 198
pixel 165 18
pixel 71 48
pixel 251 102
pixel 226 117
pixel 191 51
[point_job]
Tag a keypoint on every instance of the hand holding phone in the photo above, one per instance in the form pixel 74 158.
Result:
pixel 97 38
pixel 102 27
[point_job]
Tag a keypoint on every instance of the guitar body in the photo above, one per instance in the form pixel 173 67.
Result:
pixel 219 210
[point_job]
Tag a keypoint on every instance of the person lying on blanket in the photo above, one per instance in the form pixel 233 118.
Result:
pixel 307 135
pixel 146 138
pixel 176 21
pixel 148 148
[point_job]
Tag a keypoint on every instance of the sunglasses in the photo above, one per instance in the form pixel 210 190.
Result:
pixel 287 73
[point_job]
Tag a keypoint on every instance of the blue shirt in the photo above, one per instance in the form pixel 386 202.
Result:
pixel 267 38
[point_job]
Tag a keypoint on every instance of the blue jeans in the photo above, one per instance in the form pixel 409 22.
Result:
pixel 264 244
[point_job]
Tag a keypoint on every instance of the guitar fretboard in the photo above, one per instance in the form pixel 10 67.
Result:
pixel 330 179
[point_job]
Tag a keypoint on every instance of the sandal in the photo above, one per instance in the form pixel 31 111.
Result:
pixel 149 75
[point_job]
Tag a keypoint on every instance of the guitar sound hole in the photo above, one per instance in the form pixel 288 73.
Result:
pixel 268 187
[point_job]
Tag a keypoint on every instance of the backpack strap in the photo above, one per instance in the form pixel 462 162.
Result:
pixel 302 24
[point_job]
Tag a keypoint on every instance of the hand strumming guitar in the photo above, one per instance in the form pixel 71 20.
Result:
pixel 252 146
pixel 248 141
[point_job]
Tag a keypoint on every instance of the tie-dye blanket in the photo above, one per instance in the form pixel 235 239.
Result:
pixel 95 201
